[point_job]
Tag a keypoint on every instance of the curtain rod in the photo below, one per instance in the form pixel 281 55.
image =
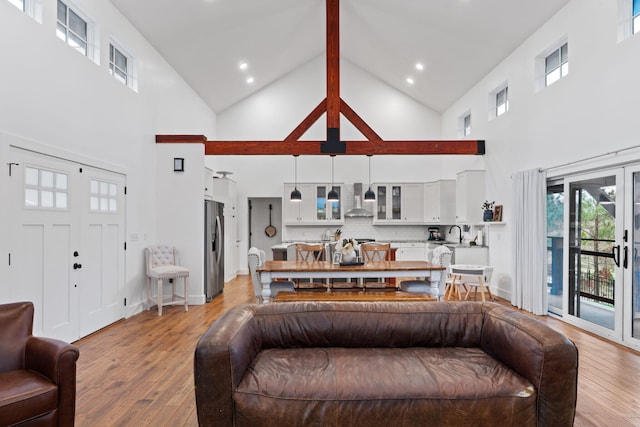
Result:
pixel 590 158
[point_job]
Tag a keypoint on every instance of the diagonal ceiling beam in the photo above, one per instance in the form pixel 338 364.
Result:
pixel 333 106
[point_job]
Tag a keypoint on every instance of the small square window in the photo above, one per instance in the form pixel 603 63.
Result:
pixel 557 64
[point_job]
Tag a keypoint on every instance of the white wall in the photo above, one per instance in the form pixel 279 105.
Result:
pixel 54 96
pixel 591 111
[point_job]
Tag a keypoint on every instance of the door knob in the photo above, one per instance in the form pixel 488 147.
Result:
pixel 76 266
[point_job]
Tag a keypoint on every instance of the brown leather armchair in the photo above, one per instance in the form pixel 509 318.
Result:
pixel 37 375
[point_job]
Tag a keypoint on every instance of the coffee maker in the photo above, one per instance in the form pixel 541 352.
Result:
pixel 434 233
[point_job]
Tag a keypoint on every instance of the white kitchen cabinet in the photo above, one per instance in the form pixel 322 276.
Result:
pixel 313 209
pixel 411 251
pixel 208 183
pixel 440 202
pixel 399 203
pixel 470 195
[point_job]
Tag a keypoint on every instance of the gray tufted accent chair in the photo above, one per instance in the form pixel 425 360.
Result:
pixel 162 264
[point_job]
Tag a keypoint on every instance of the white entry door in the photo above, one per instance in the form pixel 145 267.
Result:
pixel 67 244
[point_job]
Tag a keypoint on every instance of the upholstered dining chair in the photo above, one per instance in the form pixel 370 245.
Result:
pixel 375 252
pixel 256 258
pixel 163 264
pixel 37 375
pixel 440 256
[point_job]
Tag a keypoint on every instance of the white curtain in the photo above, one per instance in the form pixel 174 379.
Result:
pixel 529 290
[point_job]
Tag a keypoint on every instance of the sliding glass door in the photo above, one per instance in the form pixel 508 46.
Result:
pixel 632 258
pixel 595 255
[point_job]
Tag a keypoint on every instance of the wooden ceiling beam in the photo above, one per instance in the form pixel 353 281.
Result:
pixel 333 105
pixel 313 148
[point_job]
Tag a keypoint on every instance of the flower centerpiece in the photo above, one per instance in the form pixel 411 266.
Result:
pixel 487 206
pixel 348 248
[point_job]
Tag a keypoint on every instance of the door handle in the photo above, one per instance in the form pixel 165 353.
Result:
pixel 616 255
pixel 76 266
pixel 625 262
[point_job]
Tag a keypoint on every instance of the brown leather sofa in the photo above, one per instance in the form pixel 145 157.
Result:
pixel 383 364
pixel 37 375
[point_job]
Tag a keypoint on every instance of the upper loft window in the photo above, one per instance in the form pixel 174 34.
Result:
pixel 464 124
pixel 502 101
pixel 72 28
pixel 33 8
pixel 556 65
pixel 118 67
pixel 552 64
pixel 628 18
pixel 499 101
pixel 122 66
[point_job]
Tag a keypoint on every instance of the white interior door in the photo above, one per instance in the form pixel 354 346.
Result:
pixel 64 257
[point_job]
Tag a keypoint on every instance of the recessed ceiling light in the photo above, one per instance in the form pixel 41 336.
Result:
pixel 250 80
pixel 243 66
pixel 410 80
pixel 419 66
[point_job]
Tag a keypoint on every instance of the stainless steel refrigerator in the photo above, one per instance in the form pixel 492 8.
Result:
pixel 213 249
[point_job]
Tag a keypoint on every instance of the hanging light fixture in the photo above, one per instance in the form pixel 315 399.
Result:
pixel 369 195
pixel 333 195
pixel 296 195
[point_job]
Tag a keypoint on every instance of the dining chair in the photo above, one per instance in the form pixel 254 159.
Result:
pixel 162 264
pixel 256 257
pixel 440 256
pixel 482 284
pixel 374 252
pixel 310 253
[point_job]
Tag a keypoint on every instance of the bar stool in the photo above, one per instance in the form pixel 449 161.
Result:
pixel 162 264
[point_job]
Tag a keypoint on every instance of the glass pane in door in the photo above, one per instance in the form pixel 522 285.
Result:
pixel 555 237
pixel 321 203
pixel 635 257
pixel 592 251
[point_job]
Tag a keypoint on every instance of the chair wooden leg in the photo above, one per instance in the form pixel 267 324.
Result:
pixel 160 297
pixel 186 286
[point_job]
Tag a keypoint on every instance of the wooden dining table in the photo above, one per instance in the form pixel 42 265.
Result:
pixel 272 270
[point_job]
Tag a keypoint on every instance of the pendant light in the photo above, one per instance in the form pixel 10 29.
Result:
pixel 296 195
pixel 369 195
pixel 333 195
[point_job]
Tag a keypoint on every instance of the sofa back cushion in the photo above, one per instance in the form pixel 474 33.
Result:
pixel 370 324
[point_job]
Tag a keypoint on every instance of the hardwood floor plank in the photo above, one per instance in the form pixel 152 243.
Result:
pixel 139 371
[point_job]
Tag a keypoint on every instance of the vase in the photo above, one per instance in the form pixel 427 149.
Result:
pixel 488 215
pixel 349 256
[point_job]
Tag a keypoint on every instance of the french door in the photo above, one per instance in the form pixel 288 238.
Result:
pixel 66 244
pixel 600 252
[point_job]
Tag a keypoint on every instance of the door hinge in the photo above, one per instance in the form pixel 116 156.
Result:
pixel 125 246
pixel 9 258
pixel 125 302
pixel 125 190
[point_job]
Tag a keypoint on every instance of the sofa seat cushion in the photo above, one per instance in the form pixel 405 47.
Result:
pixel 373 386
pixel 24 395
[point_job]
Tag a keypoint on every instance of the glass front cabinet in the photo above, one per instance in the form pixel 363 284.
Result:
pixel 399 203
pixel 314 208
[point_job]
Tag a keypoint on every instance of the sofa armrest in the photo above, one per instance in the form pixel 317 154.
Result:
pixel 222 356
pixel 542 355
pixel 56 360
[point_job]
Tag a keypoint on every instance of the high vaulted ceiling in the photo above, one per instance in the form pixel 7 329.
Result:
pixel 457 41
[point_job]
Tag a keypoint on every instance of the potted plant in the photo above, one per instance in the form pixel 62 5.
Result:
pixel 488 210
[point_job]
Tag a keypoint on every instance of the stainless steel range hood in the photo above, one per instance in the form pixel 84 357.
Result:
pixel 358 211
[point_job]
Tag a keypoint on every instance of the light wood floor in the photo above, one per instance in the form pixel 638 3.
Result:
pixel 139 371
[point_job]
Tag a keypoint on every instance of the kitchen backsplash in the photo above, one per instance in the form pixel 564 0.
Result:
pixel 361 228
